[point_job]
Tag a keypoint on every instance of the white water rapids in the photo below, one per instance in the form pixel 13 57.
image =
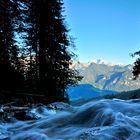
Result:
pixel 100 120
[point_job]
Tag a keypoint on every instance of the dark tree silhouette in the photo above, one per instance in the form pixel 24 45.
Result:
pixel 53 41
pixel 34 51
pixel 10 77
pixel 136 67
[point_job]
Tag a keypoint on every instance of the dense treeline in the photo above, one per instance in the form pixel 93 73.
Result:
pixel 34 49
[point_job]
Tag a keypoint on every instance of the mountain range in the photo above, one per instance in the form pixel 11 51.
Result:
pixel 107 76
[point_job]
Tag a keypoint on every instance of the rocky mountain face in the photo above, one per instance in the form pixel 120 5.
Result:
pixel 107 76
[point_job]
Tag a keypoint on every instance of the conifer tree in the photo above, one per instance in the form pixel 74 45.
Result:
pixel 35 45
pixel 53 49
pixel 136 67
pixel 9 62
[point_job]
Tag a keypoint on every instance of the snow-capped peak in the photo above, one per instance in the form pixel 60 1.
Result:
pixel 99 61
pixel 83 65
pixel 79 65
pixel 105 62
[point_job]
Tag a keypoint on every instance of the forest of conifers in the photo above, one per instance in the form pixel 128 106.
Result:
pixel 35 54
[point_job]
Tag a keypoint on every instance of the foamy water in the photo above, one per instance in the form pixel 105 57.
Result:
pixel 100 120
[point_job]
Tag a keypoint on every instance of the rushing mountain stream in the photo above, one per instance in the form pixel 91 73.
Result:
pixel 100 120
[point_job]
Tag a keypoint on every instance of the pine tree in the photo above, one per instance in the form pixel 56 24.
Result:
pixel 60 73
pixel 25 39
pixel 35 45
pixel 9 62
pixel 136 67
pixel 53 42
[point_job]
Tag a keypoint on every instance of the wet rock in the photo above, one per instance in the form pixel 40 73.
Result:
pixel 23 116
pixel 59 106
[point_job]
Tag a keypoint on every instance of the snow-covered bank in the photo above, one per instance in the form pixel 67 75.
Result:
pixel 100 120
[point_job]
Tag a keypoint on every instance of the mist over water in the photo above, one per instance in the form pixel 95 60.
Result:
pixel 100 120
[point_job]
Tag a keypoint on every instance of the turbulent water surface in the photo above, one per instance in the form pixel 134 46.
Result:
pixel 100 120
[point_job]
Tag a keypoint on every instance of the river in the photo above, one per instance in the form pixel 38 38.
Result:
pixel 99 120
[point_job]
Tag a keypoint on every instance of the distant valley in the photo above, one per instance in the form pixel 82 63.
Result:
pixel 86 91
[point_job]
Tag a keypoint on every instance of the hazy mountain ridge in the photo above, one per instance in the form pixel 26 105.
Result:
pixel 107 76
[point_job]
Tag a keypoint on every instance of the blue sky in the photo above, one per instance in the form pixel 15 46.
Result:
pixel 104 29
